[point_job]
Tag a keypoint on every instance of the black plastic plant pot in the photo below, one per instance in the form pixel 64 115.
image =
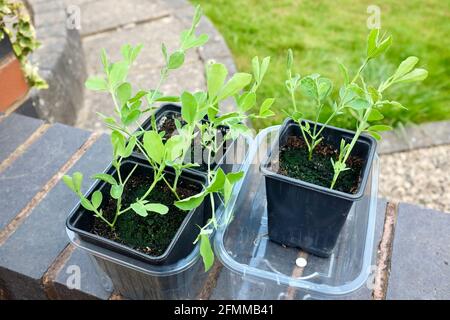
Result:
pixel 5 47
pixel 81 221
pixel 168 111
pixel 305 215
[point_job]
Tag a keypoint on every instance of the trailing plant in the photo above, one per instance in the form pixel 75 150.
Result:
pixel 364 101
pixel 16 24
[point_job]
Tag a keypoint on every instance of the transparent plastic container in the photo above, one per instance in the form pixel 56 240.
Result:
pixel 135 279
pixel 262 269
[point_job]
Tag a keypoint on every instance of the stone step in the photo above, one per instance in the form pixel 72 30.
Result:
pixel 420 264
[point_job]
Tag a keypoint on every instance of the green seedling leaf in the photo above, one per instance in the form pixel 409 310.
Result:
pixel 189 107
pixel 405 67
pixel 77 179
pixel 191 202
pixel 118 142
pixel 116 191
pixel 119 72
pixel 265 111
pixel 154 146
pixel 238 82
pixel 105 177
pixel 96 84
pixel 382 47
pixel 247 101
pixel 123 93
pixel 415 75
pixel 376 135
pixel 375 115
pixel 394 104
pixel 96 199
pixel 297 116
pixel 264 66
pixel 372 41
pixel 87 204
pixel 324 87
pixel 308 87
pixel 174 148
pixel 69 183
pixel 374 94
pixel 379 127
pixel 156 207
pixel 131 117
pixel 176 60
pixel 216 74
pixel 130 147
pixel 217 182
pixel 234 177
pixel 359 104
pixel 139 208
pixel 206 252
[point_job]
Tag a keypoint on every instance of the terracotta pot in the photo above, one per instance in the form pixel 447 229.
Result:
pixel 13 85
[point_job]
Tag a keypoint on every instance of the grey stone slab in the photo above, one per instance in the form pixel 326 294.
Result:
pixel 420 265
pixel 31 249
pixel 415 137
pixel 228 282
pixel 14 130
pixel 26 176
pixel 91 285
pixel 100 15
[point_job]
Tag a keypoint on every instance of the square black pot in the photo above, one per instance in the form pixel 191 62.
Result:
pixel 171 110
pixel 81 220
pixel 305 215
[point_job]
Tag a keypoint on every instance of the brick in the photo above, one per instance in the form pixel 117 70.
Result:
pixel 13 85
pixel 14 130
pixel 32 248
pixel 35 167
pixel 420 265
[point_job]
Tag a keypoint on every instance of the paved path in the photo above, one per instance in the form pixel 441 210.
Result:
pixel 111 23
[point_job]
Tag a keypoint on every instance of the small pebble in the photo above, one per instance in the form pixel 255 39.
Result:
pixel 301 262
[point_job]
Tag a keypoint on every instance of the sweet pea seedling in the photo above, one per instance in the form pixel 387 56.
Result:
pixel 128 109
pixel 243 88
pixel 363 101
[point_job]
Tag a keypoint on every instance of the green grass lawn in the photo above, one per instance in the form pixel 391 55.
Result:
pixel 322 32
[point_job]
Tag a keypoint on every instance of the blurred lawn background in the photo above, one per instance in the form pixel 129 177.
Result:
pixel 323 32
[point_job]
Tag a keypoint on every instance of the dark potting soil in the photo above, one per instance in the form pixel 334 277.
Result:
pixel 294 163
pixel 152 234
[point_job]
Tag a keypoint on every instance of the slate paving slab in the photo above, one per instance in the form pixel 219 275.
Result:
pixel 31 249
pixel 35 167
pixel 101 15
pixel 90 284
pixel 420 266
pixel 14 130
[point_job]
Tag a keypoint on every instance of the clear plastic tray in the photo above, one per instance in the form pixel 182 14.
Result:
pixel 261 269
